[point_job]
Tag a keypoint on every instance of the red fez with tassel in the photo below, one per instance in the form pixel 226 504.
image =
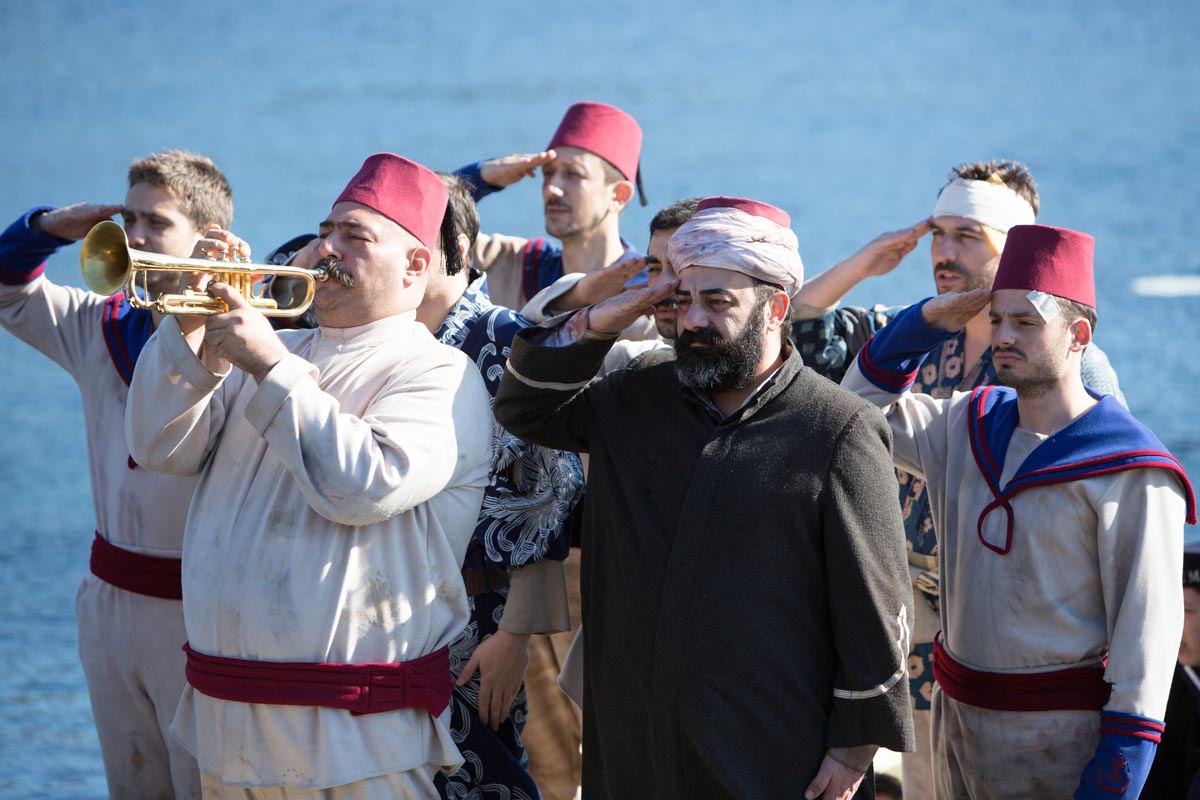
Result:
pixel 604 130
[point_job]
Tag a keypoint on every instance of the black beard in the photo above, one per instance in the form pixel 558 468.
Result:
pixel 336 272
pixel 719 365
pixel 971 282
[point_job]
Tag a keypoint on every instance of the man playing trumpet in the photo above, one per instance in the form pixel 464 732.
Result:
pixel 128 607
pixel 341 471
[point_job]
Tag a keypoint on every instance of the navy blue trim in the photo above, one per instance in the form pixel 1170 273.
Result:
pixel 1106 439
pixel 126 330
pixel 23 251
pixel 474 179
pixel 893 356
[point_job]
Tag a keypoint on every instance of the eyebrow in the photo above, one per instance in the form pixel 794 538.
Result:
pixel 346 224
pixel 1034 313
pixel 653 260
pixel 973 227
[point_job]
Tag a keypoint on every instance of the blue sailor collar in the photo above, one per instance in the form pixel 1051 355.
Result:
pixel 1104 440
pixel 126 330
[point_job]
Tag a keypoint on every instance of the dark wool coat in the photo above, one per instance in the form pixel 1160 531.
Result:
pixel 736 574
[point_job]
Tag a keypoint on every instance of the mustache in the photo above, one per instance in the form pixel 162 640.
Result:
pixel 1010 349
pixel 952 266
pixel 705 336
pixel 336 271
pixel 557 204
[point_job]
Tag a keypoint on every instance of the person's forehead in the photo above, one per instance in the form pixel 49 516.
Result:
pixel 349 213
pixel 952 223
pixel 577 157
pixel 145 198
pixel 1012 301
pixel 658 244
pixel 702 279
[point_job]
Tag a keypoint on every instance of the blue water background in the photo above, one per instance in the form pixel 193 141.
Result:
pixel 848 115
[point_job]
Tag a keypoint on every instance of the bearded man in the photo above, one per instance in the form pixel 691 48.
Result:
pixel 744 567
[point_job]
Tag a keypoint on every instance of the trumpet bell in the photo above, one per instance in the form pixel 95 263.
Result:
pixel 104 258
pixel 109 265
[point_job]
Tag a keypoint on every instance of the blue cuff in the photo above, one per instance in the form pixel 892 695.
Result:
pixel 894 355
pixel 1123 757
pixel 23 251
pixel 479 187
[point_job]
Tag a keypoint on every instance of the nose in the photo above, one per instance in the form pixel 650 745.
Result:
pixel 693 318
pixel 551 187
pixel 1002 334
pixel 136 234
pixel 325 248
pixel 943 250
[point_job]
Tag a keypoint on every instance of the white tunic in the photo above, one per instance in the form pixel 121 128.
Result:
pixel 1094 566
pixel 335 505
pixel 136 509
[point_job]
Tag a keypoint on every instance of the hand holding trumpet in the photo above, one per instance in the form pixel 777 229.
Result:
pixel 240 335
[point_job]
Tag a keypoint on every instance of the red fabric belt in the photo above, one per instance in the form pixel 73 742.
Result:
pixel 1075 689
pixel 149 575
pixel 424 682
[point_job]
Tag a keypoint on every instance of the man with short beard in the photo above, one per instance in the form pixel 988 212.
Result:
pixel 744 585
pixel 1061 522
pixel 969 222
pixel 128 606
pixel 589 172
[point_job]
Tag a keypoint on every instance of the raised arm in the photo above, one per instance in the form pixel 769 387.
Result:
pixel 881 255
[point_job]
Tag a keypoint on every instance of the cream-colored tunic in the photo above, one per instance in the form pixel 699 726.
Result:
pixel 335 505
pixel 128 642
pixel 1093 570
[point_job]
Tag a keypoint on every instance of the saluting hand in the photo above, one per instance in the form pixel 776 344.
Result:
pixel 884 253
pixel 74 221
pixel 953 310
pixel 241 336
pixel 506 171
pixel 617 313
pixel 598 286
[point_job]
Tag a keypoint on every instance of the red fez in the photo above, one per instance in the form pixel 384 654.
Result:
pixel 604 130
pixel 410 195
pixel 752 207
pixel 1056 261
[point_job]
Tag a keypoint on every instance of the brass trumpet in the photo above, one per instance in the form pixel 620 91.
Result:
pixel 109 264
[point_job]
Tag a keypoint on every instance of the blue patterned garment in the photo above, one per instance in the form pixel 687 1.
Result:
pixel 830 343
pixel 531 492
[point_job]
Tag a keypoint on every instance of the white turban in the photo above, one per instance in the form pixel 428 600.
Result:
pixel 726 238
pixel 991 204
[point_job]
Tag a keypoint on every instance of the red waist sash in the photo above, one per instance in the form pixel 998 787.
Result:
pixel 1074 689
pixel 134 572
pixel 424 682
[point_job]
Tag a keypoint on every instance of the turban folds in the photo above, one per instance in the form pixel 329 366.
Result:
pixel 741 235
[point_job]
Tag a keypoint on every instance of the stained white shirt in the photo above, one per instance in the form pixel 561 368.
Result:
pixel 334 508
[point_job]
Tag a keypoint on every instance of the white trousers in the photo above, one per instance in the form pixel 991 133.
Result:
pixel 129 645
pixel 1010 755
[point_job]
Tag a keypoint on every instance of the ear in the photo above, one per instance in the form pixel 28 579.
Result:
pixel 777 309
pixel 419 259
pixel 464 245
pixel 622 194
pixel 1081 334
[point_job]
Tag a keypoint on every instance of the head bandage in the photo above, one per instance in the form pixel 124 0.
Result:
pixel 726 238
pixel 1046 304
pixel 991 204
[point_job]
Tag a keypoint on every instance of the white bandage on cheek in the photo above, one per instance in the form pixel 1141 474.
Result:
pixel 1046 304
pixel 991 204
